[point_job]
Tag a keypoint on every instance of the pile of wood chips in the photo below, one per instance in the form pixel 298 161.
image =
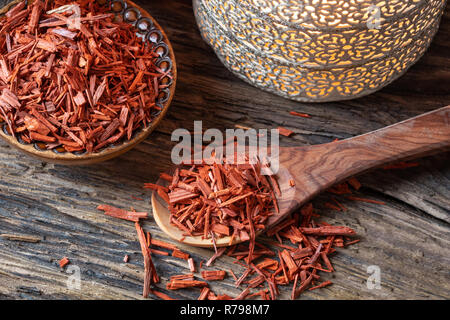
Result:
pixel 75 84
pixel 197 196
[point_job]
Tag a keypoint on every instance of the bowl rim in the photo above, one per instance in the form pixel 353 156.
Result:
pixel 110 151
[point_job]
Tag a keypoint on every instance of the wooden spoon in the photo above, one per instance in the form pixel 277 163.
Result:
pixel 316 168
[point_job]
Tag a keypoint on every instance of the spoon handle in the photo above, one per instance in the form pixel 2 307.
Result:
pixel 326 164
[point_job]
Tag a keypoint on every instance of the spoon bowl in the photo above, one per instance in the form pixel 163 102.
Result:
pixel 316 168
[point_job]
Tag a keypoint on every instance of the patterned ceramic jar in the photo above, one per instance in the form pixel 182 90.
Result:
pixel 319 50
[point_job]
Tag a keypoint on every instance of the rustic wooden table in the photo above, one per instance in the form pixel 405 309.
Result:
pixel 408 238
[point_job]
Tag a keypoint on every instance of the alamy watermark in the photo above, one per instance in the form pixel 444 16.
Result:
pixel 238 146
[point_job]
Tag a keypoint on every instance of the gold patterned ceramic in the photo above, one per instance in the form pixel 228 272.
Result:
pixel 319 50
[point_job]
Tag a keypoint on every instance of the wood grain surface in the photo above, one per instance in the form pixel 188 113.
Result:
pixel 408 237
